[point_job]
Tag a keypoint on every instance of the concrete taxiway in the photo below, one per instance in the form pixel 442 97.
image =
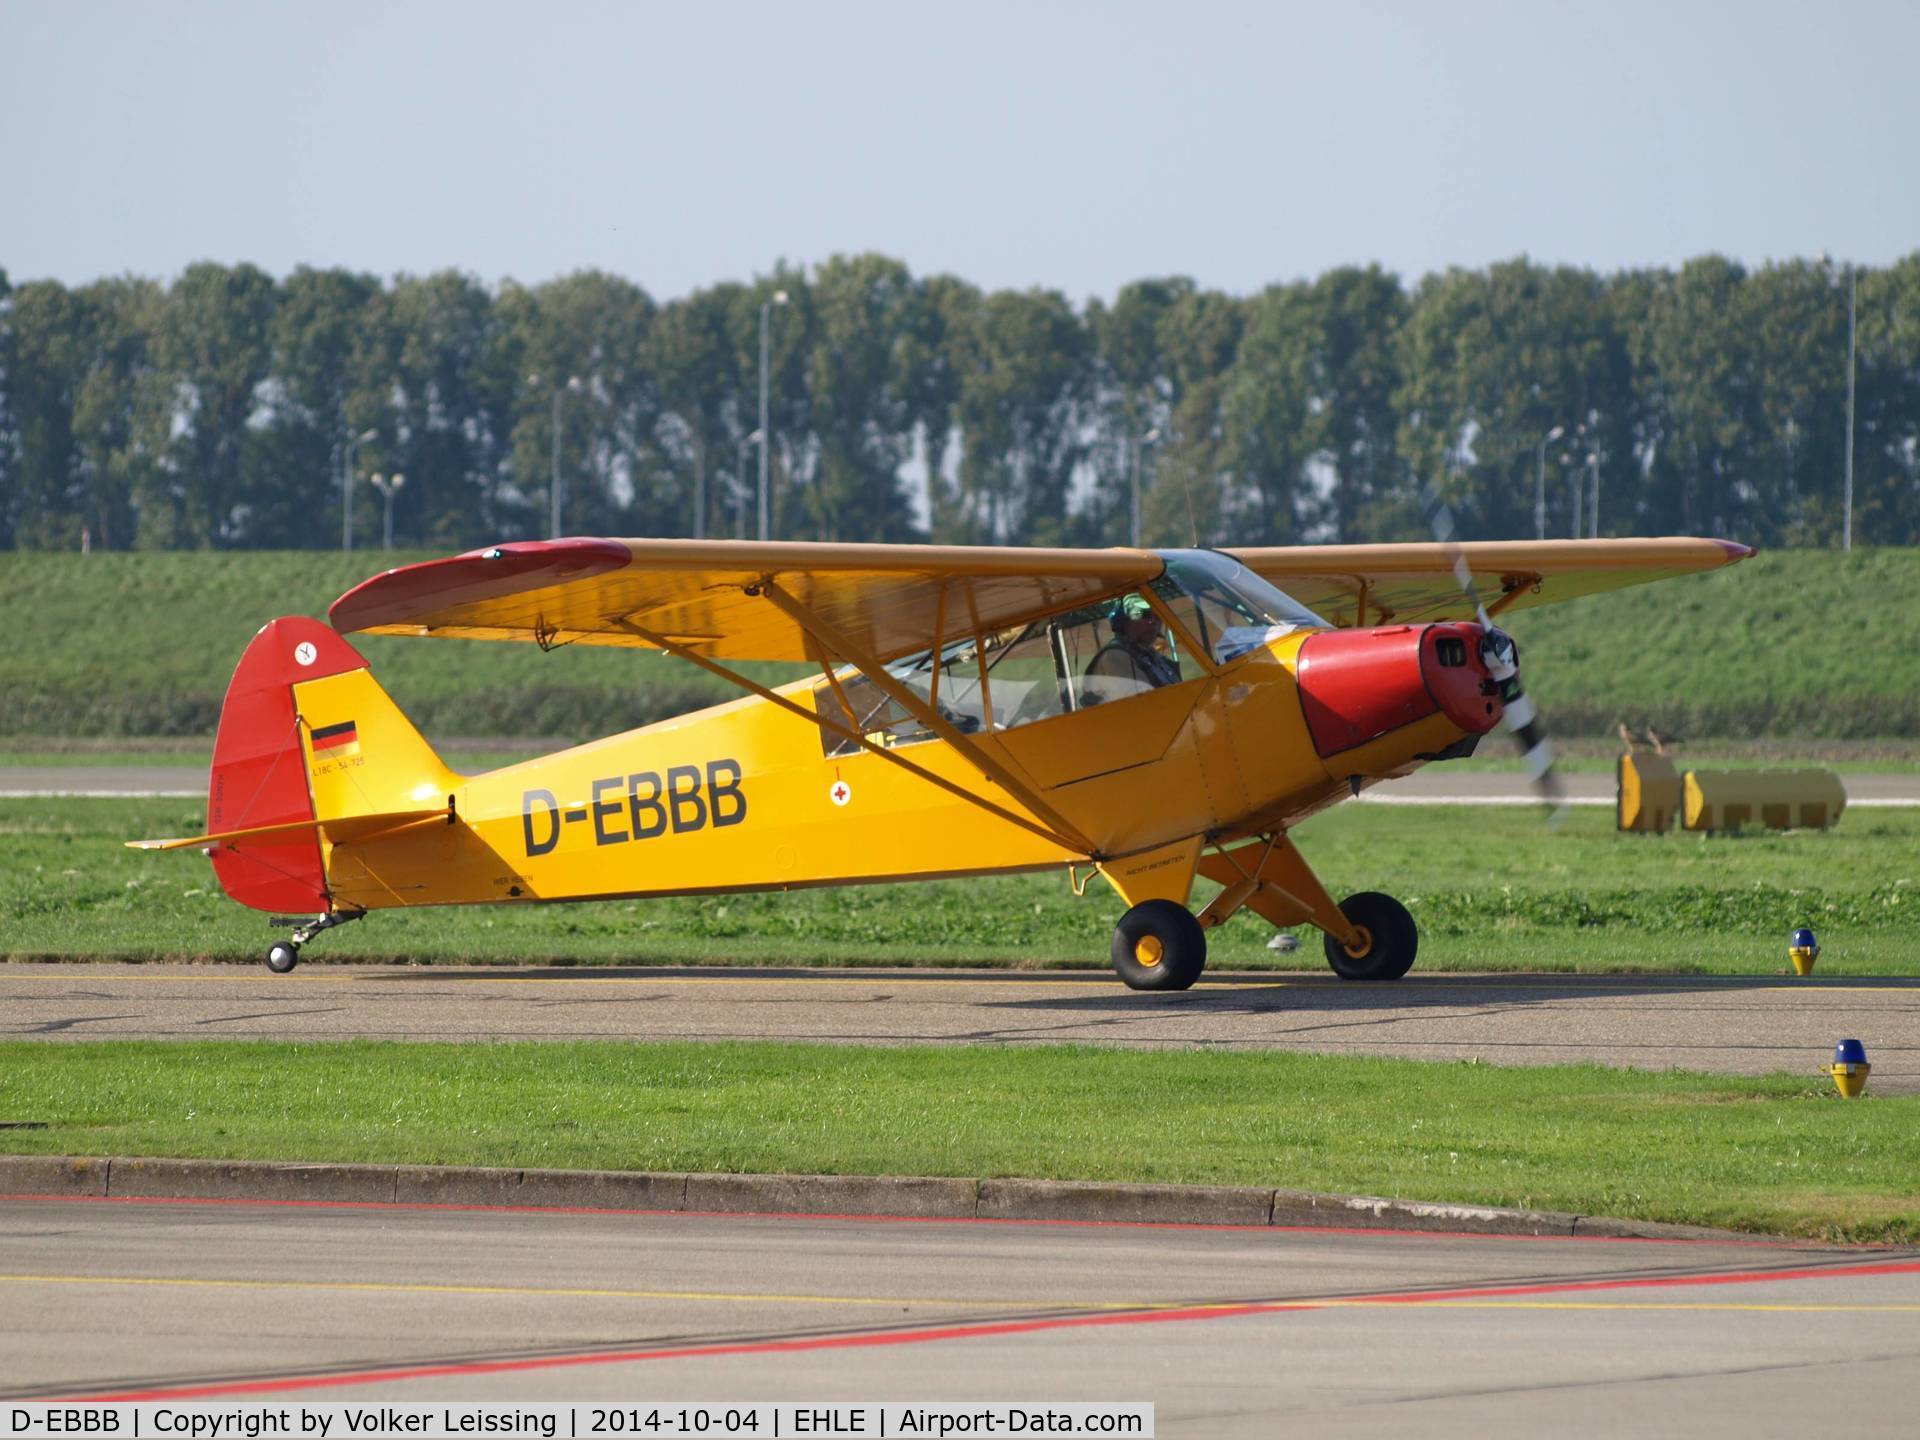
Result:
pixel 1229 1332
pixel 1732 1025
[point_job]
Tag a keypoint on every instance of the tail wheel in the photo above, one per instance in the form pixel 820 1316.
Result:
pixel 282 957
pixel 1385 945
pixel 1158 945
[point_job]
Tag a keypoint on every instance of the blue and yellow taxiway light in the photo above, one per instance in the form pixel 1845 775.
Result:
pixel 1803 950
pixel 1850 1068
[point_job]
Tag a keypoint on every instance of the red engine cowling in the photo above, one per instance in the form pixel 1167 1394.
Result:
pixel 1357 685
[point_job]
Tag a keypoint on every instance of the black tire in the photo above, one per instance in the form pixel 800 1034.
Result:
pixel 282 957
pixel 1158 945
pixel 1392 939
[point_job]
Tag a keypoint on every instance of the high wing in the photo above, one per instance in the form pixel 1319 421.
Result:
pixel 1374 584
pixel 710 597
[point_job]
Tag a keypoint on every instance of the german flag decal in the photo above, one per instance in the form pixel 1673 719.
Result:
pixel 335 742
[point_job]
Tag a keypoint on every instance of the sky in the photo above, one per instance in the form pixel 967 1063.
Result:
pixel 1072 146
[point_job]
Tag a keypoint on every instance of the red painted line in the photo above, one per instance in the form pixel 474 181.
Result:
pixel 1378 1232
pixel 695 1352
pixel 974 1332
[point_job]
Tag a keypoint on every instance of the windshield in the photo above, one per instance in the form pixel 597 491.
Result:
pixel 1238 610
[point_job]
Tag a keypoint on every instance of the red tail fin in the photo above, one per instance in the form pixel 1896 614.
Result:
pixel 259 771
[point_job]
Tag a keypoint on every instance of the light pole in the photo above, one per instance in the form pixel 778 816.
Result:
pixel 740 483
pixel 699 489
pixel 1593 520
pixel 1846 520
pixel 1151 437
pixel 779 298
pixel 553 485
pixel 1846 504
pixel 387 485
pixel 1576 467
pixel 1540 481
pixel 346 485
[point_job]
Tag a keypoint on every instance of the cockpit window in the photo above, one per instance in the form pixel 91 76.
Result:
pixel 1238 610
pixel 949 682
pixel 1094 655
pixel 1109 651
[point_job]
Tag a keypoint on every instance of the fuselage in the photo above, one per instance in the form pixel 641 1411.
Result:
pixel 748 796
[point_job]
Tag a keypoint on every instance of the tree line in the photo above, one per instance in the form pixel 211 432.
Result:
pixel 222 410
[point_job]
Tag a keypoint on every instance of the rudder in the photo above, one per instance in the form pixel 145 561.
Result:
pixel 306 733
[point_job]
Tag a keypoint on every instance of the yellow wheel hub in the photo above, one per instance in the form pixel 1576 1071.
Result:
pixel 1149 951
pixel 1362 943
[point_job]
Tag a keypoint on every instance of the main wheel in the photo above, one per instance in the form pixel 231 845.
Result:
pixel 282 956
pixel 1158 945
pixel 1386 945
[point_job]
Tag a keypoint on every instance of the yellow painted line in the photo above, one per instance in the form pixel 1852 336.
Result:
pixel 544 1292
pixel 1384 1302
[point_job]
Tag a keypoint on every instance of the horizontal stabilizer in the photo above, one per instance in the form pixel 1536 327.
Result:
pixel 340 830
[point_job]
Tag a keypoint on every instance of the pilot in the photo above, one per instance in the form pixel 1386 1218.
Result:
pixel 1133 654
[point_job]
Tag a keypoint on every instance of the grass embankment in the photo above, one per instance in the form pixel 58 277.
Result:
pixel 1799 644
pixel 1491 889
pixel 1796 644
pixel 1600 755
pixel 1777 1154
pixel 144 644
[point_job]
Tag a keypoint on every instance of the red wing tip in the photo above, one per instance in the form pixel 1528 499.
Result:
pixel 485 573
pixel 1735 550
pixel 572 547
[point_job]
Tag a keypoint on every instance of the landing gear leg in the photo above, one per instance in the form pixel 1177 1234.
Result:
pixel 283 955
pixel 1368 936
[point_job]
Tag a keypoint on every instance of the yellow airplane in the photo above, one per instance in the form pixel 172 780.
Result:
pixel 1146 715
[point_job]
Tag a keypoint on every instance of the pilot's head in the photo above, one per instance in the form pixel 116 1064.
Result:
pixel 1136 622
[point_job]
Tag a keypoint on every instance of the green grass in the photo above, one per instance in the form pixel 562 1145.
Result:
pixel 144 644
pixel 1492 888
pixel 1776 1154
pixel 1805 644
pixel 1598 755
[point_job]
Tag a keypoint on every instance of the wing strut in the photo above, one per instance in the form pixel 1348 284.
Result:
pixel 1512 587
pixel 845 733
pixel 877 676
